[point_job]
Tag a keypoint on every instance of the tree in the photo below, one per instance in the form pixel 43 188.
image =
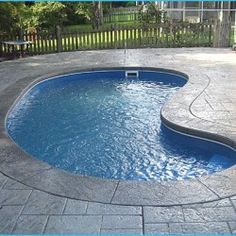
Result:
pixel 93 12
pixel 97 15
pixel 84 10
pixel 14 17
pixel 149 14
pixel 75 15
pixel 222 26
pixel 7 21
pixel 47 15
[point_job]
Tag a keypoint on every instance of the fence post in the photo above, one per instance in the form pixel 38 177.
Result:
pixel 234 42
pixel 139 37
pixel 171 34
pixel 21 34
pixel 59 38
pixel 210 34
pixel 111 36
pixel 1 44
pixel 115 36
pixel 109 18
pixel 1 51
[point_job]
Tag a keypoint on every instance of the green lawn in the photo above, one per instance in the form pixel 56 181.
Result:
pixel 129 38
pixel 88 27
pixel 107 26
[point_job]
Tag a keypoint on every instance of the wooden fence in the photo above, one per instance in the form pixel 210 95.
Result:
pixel 120 17
pixel 190 35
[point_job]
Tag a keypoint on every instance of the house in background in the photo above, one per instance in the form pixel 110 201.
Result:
pixel 195 11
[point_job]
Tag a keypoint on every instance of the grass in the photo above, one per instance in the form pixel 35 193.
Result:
pixel 122 39
pixel 105 26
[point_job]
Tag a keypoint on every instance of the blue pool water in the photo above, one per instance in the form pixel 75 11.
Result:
pixel 106 125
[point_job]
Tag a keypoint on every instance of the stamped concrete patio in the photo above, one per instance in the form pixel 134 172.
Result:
pixel 205 106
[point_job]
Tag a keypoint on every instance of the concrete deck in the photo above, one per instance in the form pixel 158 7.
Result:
pixel 205 107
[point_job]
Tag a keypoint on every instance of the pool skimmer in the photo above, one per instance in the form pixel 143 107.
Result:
pixel 131 73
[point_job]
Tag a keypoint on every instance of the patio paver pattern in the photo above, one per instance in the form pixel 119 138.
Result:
pixel 24 209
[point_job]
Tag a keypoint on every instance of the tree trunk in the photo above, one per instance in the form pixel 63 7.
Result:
pixel 100 9
pixel 97 19
pixel 222 27
pixel 235 28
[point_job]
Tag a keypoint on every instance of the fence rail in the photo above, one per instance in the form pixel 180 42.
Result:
pixel 117 37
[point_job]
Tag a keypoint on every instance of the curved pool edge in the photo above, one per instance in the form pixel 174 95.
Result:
pixel 16 164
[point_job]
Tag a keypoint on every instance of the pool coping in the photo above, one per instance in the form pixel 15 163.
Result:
pixel 176 114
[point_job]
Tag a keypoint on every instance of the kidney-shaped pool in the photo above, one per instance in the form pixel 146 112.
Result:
pixel 107 124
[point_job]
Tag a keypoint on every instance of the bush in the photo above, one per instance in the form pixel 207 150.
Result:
pixel 149 13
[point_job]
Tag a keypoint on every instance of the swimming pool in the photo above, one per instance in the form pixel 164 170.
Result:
pixel 105 124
